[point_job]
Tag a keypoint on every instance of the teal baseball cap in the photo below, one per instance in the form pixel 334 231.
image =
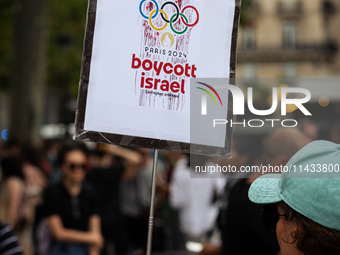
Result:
pixel 309 184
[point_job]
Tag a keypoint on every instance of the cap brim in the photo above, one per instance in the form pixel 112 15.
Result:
pixel 264 190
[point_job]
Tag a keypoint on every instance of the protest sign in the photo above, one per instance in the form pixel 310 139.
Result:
pixel 139 57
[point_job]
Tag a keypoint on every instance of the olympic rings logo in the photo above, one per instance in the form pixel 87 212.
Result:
pixel 173 19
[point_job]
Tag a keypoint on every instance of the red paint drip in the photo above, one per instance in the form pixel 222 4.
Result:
pixel 151 38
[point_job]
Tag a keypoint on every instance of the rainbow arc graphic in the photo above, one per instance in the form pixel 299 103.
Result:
pixel 209 93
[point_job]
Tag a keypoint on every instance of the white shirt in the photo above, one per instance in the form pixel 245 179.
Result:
pixel 193 198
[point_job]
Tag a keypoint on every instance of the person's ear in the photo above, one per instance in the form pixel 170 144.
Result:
pixel 292 231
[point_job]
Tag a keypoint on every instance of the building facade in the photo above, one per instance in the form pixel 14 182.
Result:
pixel 289 38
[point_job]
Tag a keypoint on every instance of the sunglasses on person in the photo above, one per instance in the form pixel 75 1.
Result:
pixel 270 216
pixel 74 166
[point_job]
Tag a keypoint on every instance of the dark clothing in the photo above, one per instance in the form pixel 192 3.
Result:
pixel 243 231
pixel 8 241
pixel 106 182
pixel 137 228
pixel 69 249
pixel 74 212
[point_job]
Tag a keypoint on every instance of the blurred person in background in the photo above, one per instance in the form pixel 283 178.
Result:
pixel 40 167
pixel 13 201
pixel 244 150
pixel 135 199
pixel 110 166
pixel 334 135
pixel 51 149
pixel 71 207
pixel 309 128
pixel 195 198
pixel 175 239
pixel 170 160
pixel 12 148
pixel 35 170
pixel 243 230
pixel 8 241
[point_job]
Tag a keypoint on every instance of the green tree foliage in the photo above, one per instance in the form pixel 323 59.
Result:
pixel 66 34
pixel 246 4
pixel 67 28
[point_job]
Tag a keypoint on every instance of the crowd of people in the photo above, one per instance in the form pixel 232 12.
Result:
pixel 76 198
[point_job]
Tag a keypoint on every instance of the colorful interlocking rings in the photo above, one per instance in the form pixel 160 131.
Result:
pixel 141 12
pixel 174 18
pixel 150 20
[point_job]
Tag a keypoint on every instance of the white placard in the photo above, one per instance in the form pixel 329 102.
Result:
pixel 140 77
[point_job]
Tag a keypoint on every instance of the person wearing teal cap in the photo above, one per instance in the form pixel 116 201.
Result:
pixel 303 203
